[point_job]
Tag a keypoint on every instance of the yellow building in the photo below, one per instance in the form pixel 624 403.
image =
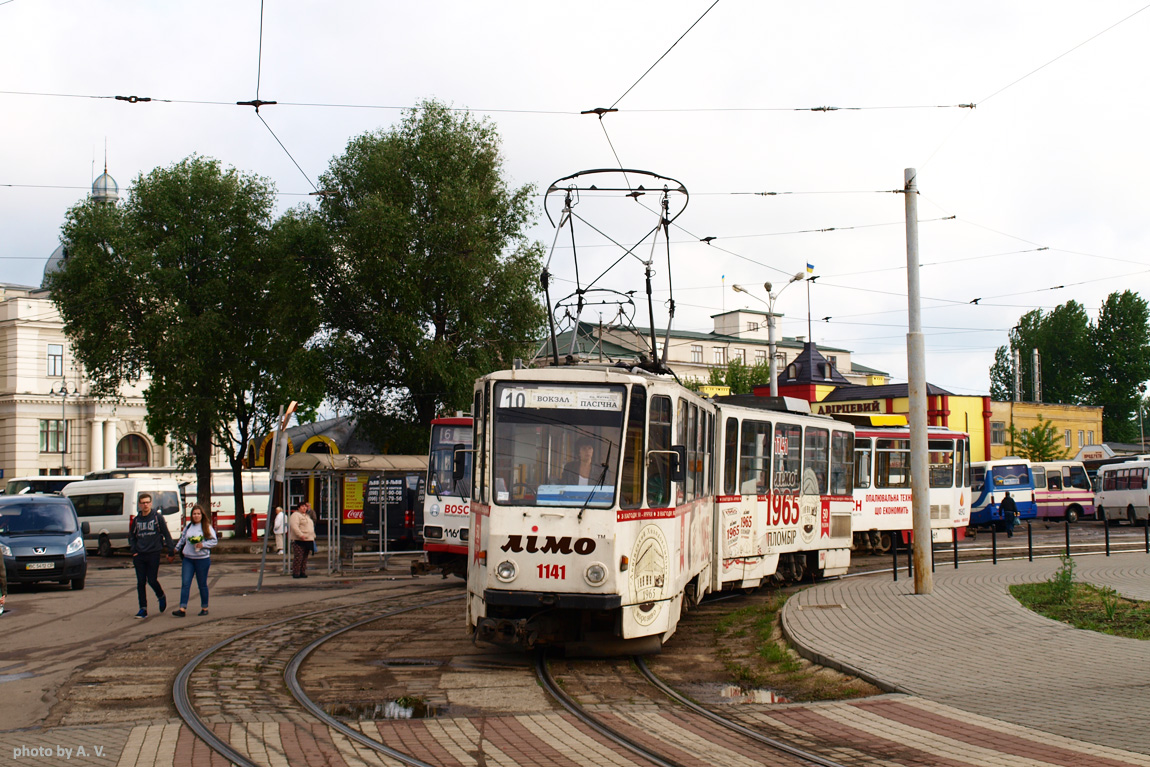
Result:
pixel 1079 425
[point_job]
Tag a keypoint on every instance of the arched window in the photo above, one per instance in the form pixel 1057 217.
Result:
pixel 132 451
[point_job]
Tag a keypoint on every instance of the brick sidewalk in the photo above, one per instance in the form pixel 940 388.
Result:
pixel 971 646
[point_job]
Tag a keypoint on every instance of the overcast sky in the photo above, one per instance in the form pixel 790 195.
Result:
pixel 1049 159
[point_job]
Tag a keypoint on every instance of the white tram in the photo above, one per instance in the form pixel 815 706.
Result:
pixel 882 485
pixel 607 501
pixel 446 517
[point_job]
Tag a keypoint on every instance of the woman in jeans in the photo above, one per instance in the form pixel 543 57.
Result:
pixel 195 544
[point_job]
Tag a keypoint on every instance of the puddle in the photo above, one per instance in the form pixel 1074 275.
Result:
pixel 403 708
pixel 736 694
pixel 14 677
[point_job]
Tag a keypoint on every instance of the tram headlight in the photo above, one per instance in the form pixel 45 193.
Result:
pixel 464 533
pixel 595 573
pixel 506 571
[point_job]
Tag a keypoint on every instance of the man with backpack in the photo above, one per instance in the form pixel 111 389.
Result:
pixel 1009 514
pixel 148 536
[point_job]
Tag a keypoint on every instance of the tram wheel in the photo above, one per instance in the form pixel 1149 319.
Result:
pixel 884 543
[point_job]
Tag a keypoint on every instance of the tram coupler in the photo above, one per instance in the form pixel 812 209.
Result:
pixel 503 631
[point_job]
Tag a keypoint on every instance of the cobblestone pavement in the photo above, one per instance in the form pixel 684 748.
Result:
pixel 970 646
pixel 1053 704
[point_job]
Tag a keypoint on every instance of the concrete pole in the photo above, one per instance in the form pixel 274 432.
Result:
pixel 772 365
pixel 916 388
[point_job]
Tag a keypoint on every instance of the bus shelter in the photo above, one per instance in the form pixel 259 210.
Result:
pixel 368 506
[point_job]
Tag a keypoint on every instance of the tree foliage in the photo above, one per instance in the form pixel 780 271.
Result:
pixel 1040 443
pixel 1082 362
pixel 431 281
pixel 189 284
pixel 1120 362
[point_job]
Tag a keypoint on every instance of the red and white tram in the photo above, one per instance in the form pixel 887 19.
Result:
pixel 446 517
pixel 607 500
pixel 882 485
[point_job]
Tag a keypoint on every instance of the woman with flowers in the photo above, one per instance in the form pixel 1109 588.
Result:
pixel 195 544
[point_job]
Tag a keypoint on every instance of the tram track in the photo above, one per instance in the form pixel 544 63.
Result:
pixel 786 753
pixel 304 623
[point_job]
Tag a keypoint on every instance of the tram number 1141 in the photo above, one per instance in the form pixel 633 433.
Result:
pixel 558 572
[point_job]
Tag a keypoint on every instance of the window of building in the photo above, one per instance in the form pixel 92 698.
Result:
pixel 1069 441
pixel 132 452
pixel 833 360
pixel 998 433
pixel 1090 438
pixel 752 326
pixel 696 353
pixel 780 360
pixel 741 355
pixel 720 355
pixel 55 359
pixel 53 436
pixel 760 357
pixel 1081 437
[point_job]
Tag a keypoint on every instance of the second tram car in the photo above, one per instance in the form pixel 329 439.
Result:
pixel 446 503
pixel 882 485
pixel 607 501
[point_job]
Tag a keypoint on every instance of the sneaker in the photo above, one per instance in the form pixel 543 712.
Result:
pixel 180 613
pixel 142 614
pixel 204 611
pixel 163 602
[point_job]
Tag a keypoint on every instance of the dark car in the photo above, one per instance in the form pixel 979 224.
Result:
pixel 41 539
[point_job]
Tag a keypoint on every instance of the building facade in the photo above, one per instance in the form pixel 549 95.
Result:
pixel 1078 426
pixel 43 430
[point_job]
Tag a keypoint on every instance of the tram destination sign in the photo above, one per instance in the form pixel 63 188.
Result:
pixel 562 399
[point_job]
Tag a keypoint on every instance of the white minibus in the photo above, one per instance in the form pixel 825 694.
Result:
pixel 108 505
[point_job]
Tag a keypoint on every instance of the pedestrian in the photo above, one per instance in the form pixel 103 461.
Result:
pixel 195 545
pixel 148 536
pixel 1009 514
pixel 280 528
pixel 302 540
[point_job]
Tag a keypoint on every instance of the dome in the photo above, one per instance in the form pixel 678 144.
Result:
pixel 55 261
pixel 105 188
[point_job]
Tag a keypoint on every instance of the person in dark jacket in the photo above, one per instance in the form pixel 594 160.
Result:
pixel 148 537
pixel 1009 514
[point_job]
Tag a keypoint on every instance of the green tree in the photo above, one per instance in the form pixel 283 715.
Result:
pixel 189 284
pixel 1040 443
pixel 1062 339
pixel 431 280
pixel 1120 343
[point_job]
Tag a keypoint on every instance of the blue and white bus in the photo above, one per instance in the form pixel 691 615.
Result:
pixel 990 481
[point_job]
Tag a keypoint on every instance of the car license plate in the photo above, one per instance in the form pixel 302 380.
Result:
pixel 41 565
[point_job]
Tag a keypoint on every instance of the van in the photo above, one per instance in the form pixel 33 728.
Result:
pixel 41 540
pixel 1124 492
pixel 1062 490
pixel 108 505
pixel 47 483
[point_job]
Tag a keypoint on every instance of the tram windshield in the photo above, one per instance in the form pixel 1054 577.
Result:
pixel 557 444
pixel 445 440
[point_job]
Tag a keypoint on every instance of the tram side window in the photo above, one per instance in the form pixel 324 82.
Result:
pixel 731 458
pixel 862 463
pixel 756 457
pixel 659 465
pixel 694 465
pixel 708 450
pixel 788 458
pixel 941 459
pixel 842 474
pixel 892 463
pixel 682 416
pixel 479 462
pixel 960 462
pixel 631 492
pixel 817 455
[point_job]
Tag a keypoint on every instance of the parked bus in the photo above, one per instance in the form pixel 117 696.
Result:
pixel 990 481
pixel 1123 492
pixel 1062 490
pixel 446 505
pixel 882 485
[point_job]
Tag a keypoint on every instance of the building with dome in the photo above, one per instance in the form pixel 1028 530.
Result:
pixel 49 422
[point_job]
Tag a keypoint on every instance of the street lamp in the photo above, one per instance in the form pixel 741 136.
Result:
pixel 62 391
pixel 770 302
pixel 1141 433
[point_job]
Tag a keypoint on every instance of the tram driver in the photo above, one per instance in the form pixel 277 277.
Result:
pixel 581 470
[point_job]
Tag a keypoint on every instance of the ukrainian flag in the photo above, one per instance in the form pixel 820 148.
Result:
pixel 810 268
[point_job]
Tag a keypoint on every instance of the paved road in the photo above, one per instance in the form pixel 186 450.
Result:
pixel 970 645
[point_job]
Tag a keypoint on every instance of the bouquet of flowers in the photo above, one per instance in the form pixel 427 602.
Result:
pixel 194 539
